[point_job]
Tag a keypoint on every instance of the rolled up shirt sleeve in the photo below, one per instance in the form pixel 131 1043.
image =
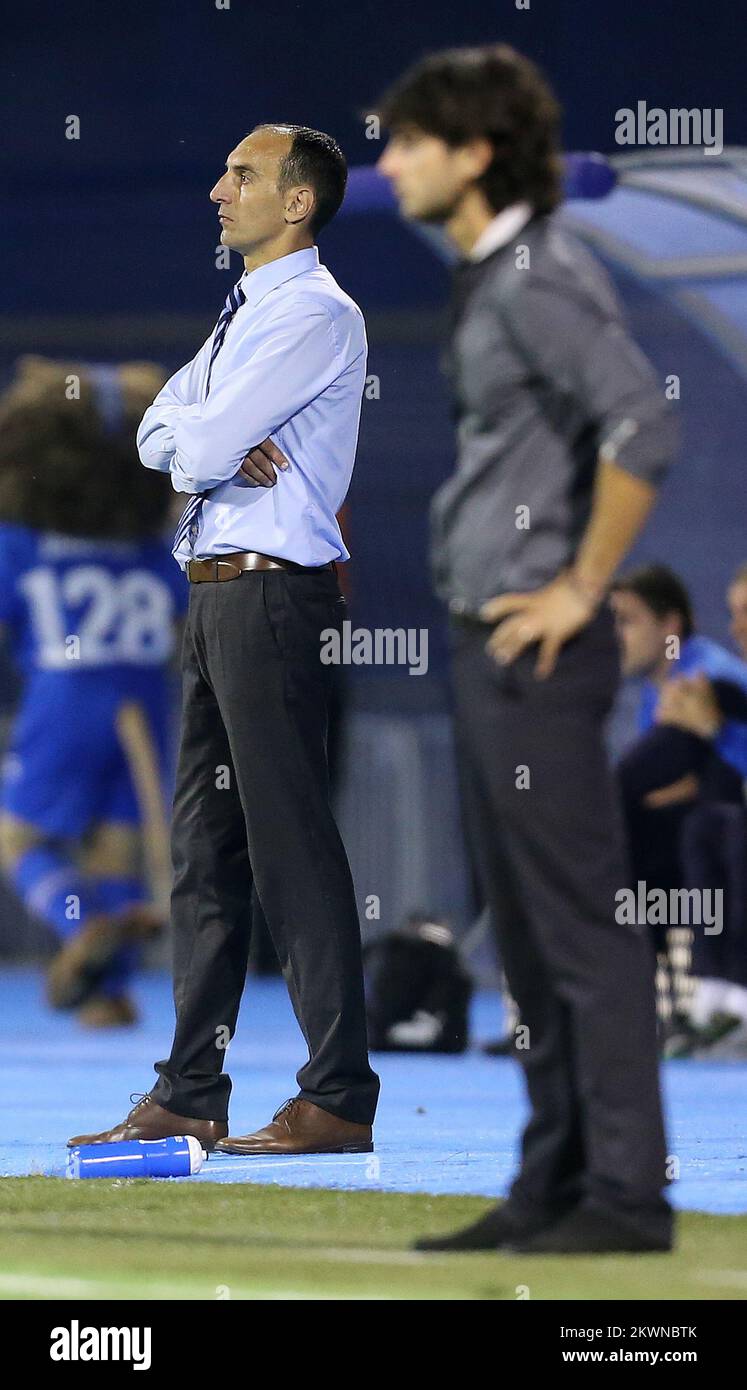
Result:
pixel 298 359
pixel 582 346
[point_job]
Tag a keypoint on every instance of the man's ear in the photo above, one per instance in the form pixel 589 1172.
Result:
pixel 477 156
pixel 300 204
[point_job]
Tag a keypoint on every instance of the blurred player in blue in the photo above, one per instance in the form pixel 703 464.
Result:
pixel 89 597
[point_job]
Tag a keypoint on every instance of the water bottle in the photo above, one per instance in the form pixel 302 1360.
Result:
pixel 177 1157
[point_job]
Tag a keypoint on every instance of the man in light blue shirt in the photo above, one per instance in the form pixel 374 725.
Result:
pixel 292 365
pixel 259 432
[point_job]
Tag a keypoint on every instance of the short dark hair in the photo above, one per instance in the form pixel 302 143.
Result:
pixel 460 94
pixel 317 159
pixel 662 591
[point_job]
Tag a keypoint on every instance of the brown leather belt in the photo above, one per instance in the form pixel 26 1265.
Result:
pixel 232 566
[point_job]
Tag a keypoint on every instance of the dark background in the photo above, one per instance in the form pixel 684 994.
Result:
pixel 164 89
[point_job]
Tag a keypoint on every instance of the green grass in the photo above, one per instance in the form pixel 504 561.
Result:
pixel 152 1240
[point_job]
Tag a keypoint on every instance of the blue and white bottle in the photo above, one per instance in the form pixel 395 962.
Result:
pixel 177 1157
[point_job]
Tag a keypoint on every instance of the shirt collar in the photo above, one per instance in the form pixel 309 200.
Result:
pixel 257 283
pixel 499 232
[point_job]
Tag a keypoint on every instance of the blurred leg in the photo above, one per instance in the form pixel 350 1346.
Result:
pixel 591 1063
pixel 47 877
pixel 111 858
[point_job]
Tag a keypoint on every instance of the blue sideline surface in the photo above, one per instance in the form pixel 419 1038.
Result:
pixel 445 1125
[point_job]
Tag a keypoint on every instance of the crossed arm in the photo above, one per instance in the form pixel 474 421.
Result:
pixel 202 443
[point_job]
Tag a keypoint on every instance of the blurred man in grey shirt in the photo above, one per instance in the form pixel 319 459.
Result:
pixel 563 438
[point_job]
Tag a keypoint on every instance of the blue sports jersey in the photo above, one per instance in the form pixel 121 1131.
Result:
pixel 75 606
pixel 91 624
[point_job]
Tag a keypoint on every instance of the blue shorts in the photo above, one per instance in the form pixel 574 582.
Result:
pixel 65 769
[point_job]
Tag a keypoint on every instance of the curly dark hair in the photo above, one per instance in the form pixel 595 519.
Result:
pixel 65 467
pixel 460 94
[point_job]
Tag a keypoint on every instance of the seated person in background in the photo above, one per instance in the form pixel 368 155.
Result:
pixel 89 595
pixel 715 848
pixel 683 788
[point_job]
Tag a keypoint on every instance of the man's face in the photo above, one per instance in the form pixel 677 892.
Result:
pixel 643 636
pixel 427 175
pixel 250 208
pixel 737 601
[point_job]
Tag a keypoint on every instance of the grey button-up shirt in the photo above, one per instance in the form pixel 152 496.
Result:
pixel 546 380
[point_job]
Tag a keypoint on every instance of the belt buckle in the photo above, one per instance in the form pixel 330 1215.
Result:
pixel 229 565
pixel 196 571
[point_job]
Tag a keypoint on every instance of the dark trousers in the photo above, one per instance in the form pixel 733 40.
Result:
pixel 251 806
pixel 692 844
pixel 547 829
pixel 714 855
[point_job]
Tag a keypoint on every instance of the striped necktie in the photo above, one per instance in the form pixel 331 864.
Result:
pixel 191 514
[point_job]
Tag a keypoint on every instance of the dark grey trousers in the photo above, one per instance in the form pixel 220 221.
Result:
pixel 252 806
pixel 542 811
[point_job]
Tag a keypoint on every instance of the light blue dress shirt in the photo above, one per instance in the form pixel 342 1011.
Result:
pixel 292 366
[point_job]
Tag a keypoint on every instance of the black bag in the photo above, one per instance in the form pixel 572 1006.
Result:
pixel 417 990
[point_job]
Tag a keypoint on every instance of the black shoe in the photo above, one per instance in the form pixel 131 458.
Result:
pixel 499 1226
pixel 591 1229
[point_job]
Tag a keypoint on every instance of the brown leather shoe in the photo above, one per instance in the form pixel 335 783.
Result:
pixel 299 1127
pixel 148 1120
